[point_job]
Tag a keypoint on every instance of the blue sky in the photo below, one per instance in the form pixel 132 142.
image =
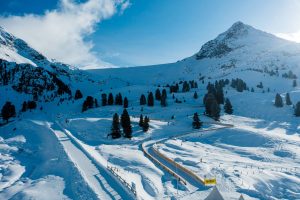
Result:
pixel 161 31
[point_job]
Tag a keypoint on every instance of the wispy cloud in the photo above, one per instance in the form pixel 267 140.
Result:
pixel 295 37
pixel 61 33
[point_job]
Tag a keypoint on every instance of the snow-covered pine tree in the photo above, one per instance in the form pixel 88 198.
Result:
pixel 104 99
pixel 288 99
pixel 228 107
pixel 126 124
pixel 195 95
pixel 143 100
pixel 146 124
pixel 196 121
pixel 110 100
pixel 157 94
pixel 115 128
pixel 297 109
pixel 78 95
pixel 278 101
pixel 125 102
pixel 150 99
pixel 141 122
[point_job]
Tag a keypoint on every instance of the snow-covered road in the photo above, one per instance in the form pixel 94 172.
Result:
pixel 193 184
pixel 96 176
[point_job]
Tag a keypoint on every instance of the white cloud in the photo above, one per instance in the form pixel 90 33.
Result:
pixel 61 33
pixel 295 37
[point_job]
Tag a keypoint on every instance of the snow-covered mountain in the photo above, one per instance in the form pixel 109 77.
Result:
pixel 28 72
pixel 240 48
pixel 60 152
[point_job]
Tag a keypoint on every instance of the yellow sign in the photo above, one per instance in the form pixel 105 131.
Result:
pixel 212 181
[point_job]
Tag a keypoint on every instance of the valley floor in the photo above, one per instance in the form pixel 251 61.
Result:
pixel 68 152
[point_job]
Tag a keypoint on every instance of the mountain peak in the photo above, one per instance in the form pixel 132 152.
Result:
pixel 238 29
pixel 238 35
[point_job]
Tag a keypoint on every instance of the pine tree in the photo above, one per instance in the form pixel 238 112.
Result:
pixel 220 95
pixel 119 99
pixel 195 95
pixel 126 124
pixel 288 99
pixel 90 101
pixel 278 101
pixel 157 94
pixel 84 106
pixel 8 111
pixel 150 99
pixel 125 102
pixel 115 128
pixel 215 110
pixel 294 83
pixel 110 100
pixel 24 106
pixel 78 95
pixel 196 121
pixel 164 93
pixel 163 100
pixel 104 99
pixel 141 122
pixel 297 109
pixel 185 87
pixel 146 124
pixel 228 107
pixel 143 100
pixel 31 105
pixel 208 99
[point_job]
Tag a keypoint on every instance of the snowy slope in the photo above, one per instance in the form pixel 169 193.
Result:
pixel 66 150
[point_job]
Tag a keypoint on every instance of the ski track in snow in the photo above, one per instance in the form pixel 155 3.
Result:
pixel 96 177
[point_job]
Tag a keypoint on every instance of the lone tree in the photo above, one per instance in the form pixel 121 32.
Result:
pixel 104 99
pixel 228 107
pixel 150 99
pixel 196 121
pixel 143 100
pixel 278 101
pixel 146 124
pixel 115 128
pixel 125 102
pixel 141 122
pixel 126 124
pixel 297 109
pixel 157 94
pixel 78 95
pixel 110 100
pixel 195 95
pixel 288 99
pixel 8 111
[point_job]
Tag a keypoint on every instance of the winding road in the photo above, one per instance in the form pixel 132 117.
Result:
pixel 182 174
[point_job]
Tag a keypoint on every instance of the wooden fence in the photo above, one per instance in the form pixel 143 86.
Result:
pixel 130 187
